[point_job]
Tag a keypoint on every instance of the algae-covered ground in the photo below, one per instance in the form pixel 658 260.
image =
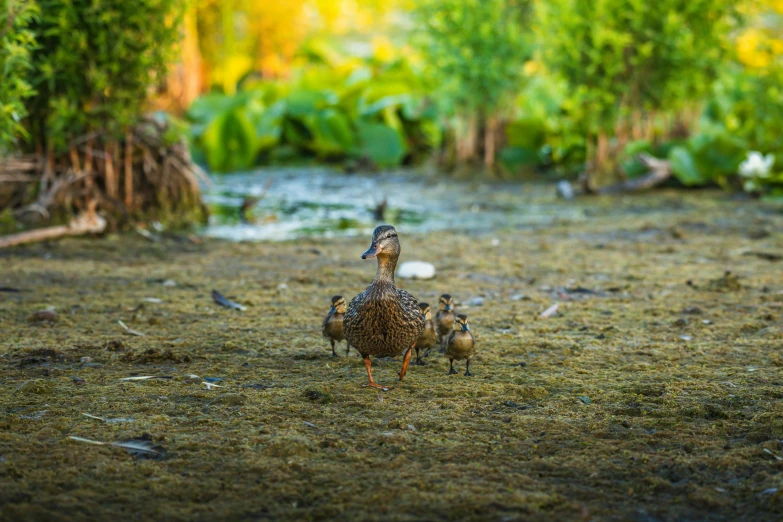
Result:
pixel 655 393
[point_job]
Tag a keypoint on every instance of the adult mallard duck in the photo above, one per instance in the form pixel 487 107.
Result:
pixel 444 319
pixel 333 324
pixel 460 345
pixel 429 337
pixel 383 321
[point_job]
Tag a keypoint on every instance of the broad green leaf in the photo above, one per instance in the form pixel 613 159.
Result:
pixel 381 144
pixel 684 167
pixel 230 143
pixel 332 133
pixel 517 158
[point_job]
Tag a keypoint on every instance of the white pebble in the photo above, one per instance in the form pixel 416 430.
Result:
pixel 416 270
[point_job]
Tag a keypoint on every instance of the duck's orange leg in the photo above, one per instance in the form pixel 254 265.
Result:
pixel 406 360
pixel 372 383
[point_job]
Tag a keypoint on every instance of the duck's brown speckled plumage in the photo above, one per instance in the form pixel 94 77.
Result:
pixel 444 319
pixel 383 320
pixel 429 337
pixel 332 327
pixel 460 345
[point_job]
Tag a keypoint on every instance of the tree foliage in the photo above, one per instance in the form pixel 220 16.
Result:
pixel 17 42
pixel 625 55
pixel 96 63
pixel 475 49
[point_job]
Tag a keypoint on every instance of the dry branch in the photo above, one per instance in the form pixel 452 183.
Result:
pixel 660 171
pixel 88 222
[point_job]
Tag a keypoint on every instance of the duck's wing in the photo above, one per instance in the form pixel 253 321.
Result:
pixel 353 307
pixel 447 340
pixel 411 307
pixel 325 325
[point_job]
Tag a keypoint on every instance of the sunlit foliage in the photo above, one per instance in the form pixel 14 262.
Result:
pixel 16 44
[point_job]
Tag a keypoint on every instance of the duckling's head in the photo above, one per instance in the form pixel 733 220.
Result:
pixel 425 311
pixel 338 305
pixel 446 303
pixel 461 323
pixel 384 243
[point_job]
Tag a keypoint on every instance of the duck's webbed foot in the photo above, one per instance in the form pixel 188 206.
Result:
pixel 452 371
pixel 372 383
pixel 419 361
pixel 406 361
pixel 467 369
pixel 334 354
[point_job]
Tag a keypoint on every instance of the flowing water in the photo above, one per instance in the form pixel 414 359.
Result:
pixel 299 202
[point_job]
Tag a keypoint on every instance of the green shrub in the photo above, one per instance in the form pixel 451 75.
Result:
pixel 96 63
pixel 17 42
pixel 623 58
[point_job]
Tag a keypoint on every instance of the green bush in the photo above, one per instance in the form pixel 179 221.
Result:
pixel 622 58
pixel 17 42
pixel 475 51
pixel 95 64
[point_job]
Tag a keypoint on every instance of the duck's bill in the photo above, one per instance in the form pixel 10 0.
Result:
pixel 465 328
pixel 373 251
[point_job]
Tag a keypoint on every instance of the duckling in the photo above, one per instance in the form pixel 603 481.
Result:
pixel 333 324
pixel 460 345
pixel 429 337
pixel 444 319
pixel 383 321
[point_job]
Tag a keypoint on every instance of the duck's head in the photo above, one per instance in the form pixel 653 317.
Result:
pixel 446 303
pixel 461 323
pixel 384 243
pixel 425 311
pixel 338 305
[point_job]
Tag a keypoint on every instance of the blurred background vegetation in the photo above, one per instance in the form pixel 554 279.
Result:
pixel 510 88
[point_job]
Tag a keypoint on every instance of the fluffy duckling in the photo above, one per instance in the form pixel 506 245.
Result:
pixel 333 324
pixel 444 319
pixel 383 321
pixel 429 337
pixel 460 345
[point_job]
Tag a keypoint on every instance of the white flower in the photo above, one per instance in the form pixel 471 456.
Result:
pixel 757 165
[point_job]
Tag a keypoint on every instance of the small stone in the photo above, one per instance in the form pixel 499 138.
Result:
pixel 416 270
pixel 41 316
pixel 520 297
pixel 169 283
pixel 565 190
pixel 85 359
pixel 692 310
pixel 495 242
pixel 476 301
pixel 282 286
pixel 686 337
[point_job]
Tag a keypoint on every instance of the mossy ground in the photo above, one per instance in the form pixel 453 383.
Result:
pixel 627 405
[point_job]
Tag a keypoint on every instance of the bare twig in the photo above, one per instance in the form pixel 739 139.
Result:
pixel 88 222
pixel 660 171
